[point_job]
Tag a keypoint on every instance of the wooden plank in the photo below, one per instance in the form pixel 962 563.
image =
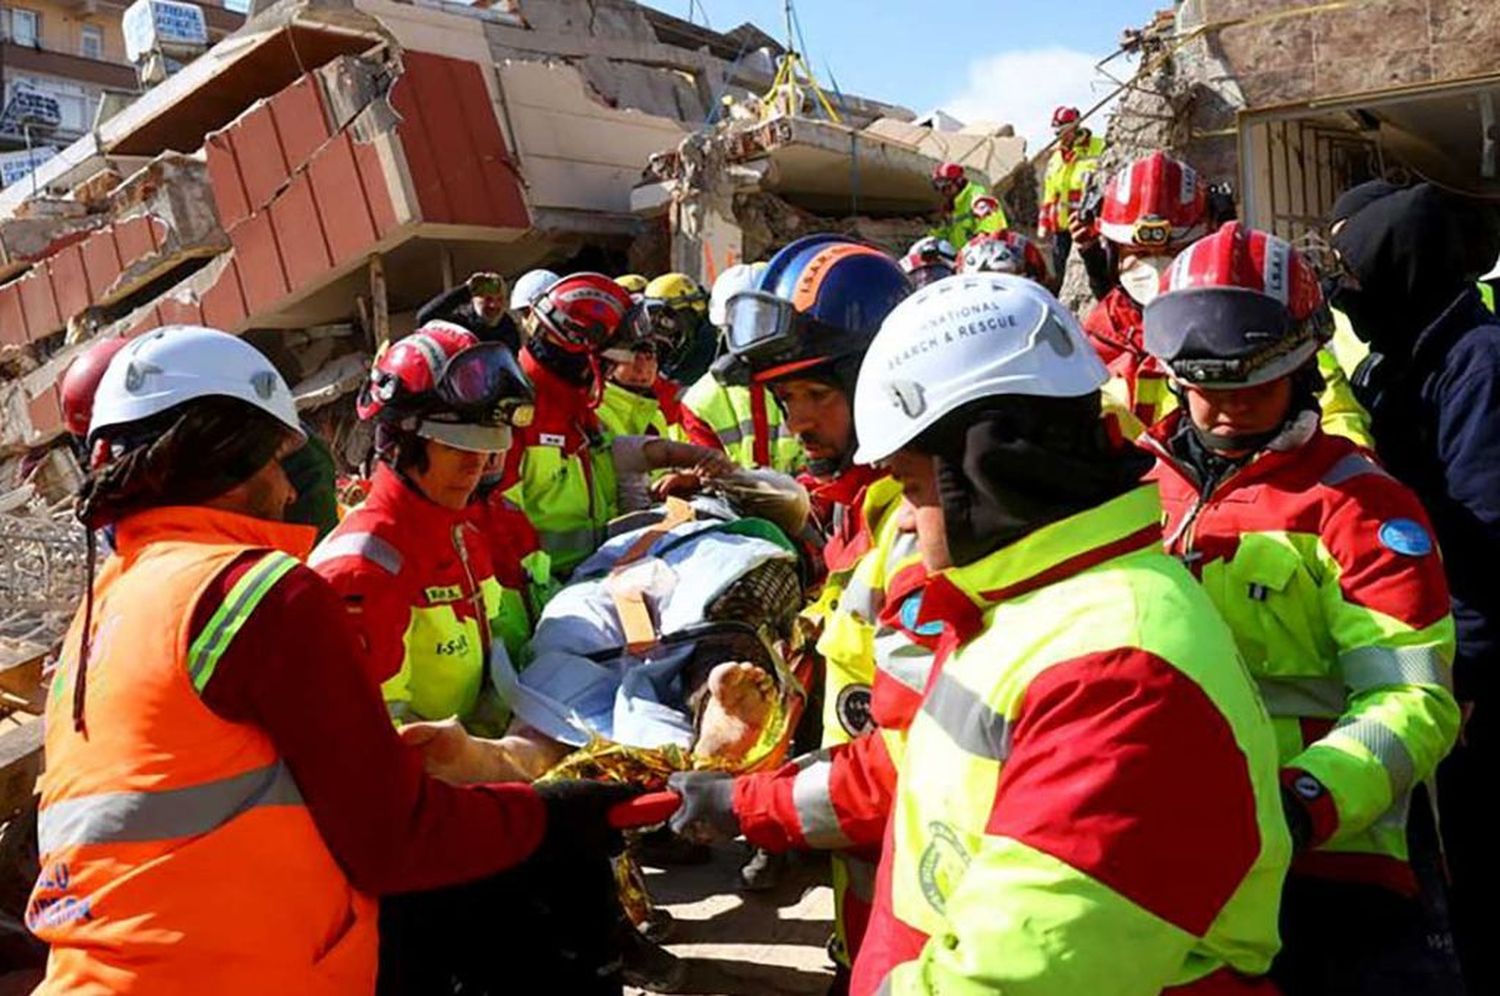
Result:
pixel 20 764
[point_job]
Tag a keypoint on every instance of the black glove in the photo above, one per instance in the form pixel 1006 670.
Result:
pixel 578 816
pixel 1298 820
pixel 707 810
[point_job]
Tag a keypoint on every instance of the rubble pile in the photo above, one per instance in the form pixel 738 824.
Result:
pixel 42 576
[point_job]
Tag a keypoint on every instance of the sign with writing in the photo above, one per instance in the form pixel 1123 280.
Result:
pixel 164 26
pixel 29 106
pixel 18 165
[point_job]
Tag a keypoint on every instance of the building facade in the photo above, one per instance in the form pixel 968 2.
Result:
pixel 72 51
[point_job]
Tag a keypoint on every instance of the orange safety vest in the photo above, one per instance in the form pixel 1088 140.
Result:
pixel 177 854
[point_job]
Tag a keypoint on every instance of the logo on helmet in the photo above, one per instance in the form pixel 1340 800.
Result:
pixel 907 396
pixel 264 384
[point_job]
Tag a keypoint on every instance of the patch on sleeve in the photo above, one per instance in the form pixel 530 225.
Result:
pixel 1407 537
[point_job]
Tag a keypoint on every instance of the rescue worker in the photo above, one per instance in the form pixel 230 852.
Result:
pixel 559 470
pixel 1005 252
pixel 1151 209
pixel 1325 569
pixel 929 259
pixel 698 340
pixel 176 753
pixel 638 400
pixel 1087 798
pixel 802 331
pixel 528 287
pixel 738 419
pixel 1070 170
pixel 412 565
pixel 968 208
pixel 480 304
pixel 79 383
pixel 1408 257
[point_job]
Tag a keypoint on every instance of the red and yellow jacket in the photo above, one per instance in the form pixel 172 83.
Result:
pixel 1325 569
pixel 423 596
pixel 560 470
pixel 1088 797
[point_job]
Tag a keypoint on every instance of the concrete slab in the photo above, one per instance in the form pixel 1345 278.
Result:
pixel 747 944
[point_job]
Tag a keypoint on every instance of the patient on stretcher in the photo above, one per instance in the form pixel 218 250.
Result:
pixel 665 639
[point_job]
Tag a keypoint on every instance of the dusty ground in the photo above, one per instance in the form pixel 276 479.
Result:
pixel 747 944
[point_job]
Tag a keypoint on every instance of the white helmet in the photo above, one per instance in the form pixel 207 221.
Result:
pixel 529 286
pixel 740 276
pixel 960 339
pixel 175 363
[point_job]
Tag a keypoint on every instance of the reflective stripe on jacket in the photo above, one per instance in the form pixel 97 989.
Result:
pixel 1326 570
pixel 745 422
pixel 1064 184
pixel 1088 799
pixel 428 568
pixel 177 855
pixel 560 470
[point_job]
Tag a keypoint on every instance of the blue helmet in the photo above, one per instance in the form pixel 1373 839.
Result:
pixel 814 309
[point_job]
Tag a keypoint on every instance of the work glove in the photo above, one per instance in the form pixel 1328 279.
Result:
pixel 578 816
pixel 1298 821
pixel 707 810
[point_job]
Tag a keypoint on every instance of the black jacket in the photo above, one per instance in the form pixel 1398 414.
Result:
pixel 457 306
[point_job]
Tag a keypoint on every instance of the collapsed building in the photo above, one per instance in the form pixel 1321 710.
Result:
pixel 318 175
pixel 315 177
pixel 1291 103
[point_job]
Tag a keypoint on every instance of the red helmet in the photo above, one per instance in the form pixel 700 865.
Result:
pixel 81 381
pixel 441 382
pixel 1238 308
pixel 1153 203
pixel 1065 116
pixel 582 313
pixel 950 175
pixel 1003 252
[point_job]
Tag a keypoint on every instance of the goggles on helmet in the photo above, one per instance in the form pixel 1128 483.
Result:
pixel 479 384
pixel 1152 231
pixel 486 285
pixel 572 334
pixel 655 326
pixel 765 332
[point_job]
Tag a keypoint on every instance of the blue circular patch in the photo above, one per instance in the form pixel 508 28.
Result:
pixel 911 611
pixel 1406 537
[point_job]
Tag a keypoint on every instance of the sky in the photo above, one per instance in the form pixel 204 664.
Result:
pixel 1009 61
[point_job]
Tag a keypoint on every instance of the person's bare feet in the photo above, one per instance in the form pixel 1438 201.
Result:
pixel 740 697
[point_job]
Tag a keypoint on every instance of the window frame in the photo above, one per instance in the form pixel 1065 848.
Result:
pixel 85 32
pixel 36 26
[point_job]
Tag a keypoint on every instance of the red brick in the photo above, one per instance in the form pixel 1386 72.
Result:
pixel 133 240
pixel 101 261
pixel 45 411
pixel 376 188
pixel 12 317
pixel 70 283
pixel 341 201
pixel 299 233
pixel 145 323
pixel 300 121
pixel 223 303
pixel 259 260
pixel 258 152
pixel 495 164
pixel 421 139
pixel 42 318
pixel 175 311
pixel 224 176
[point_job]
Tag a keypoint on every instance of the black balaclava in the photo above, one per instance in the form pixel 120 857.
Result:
pixel 1009 465
pixel 1413 251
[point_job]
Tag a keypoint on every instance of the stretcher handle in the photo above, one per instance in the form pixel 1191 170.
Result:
pixel 644 810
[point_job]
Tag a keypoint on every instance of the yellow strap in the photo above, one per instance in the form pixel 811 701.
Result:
pixel 678 512
pixel 635 614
